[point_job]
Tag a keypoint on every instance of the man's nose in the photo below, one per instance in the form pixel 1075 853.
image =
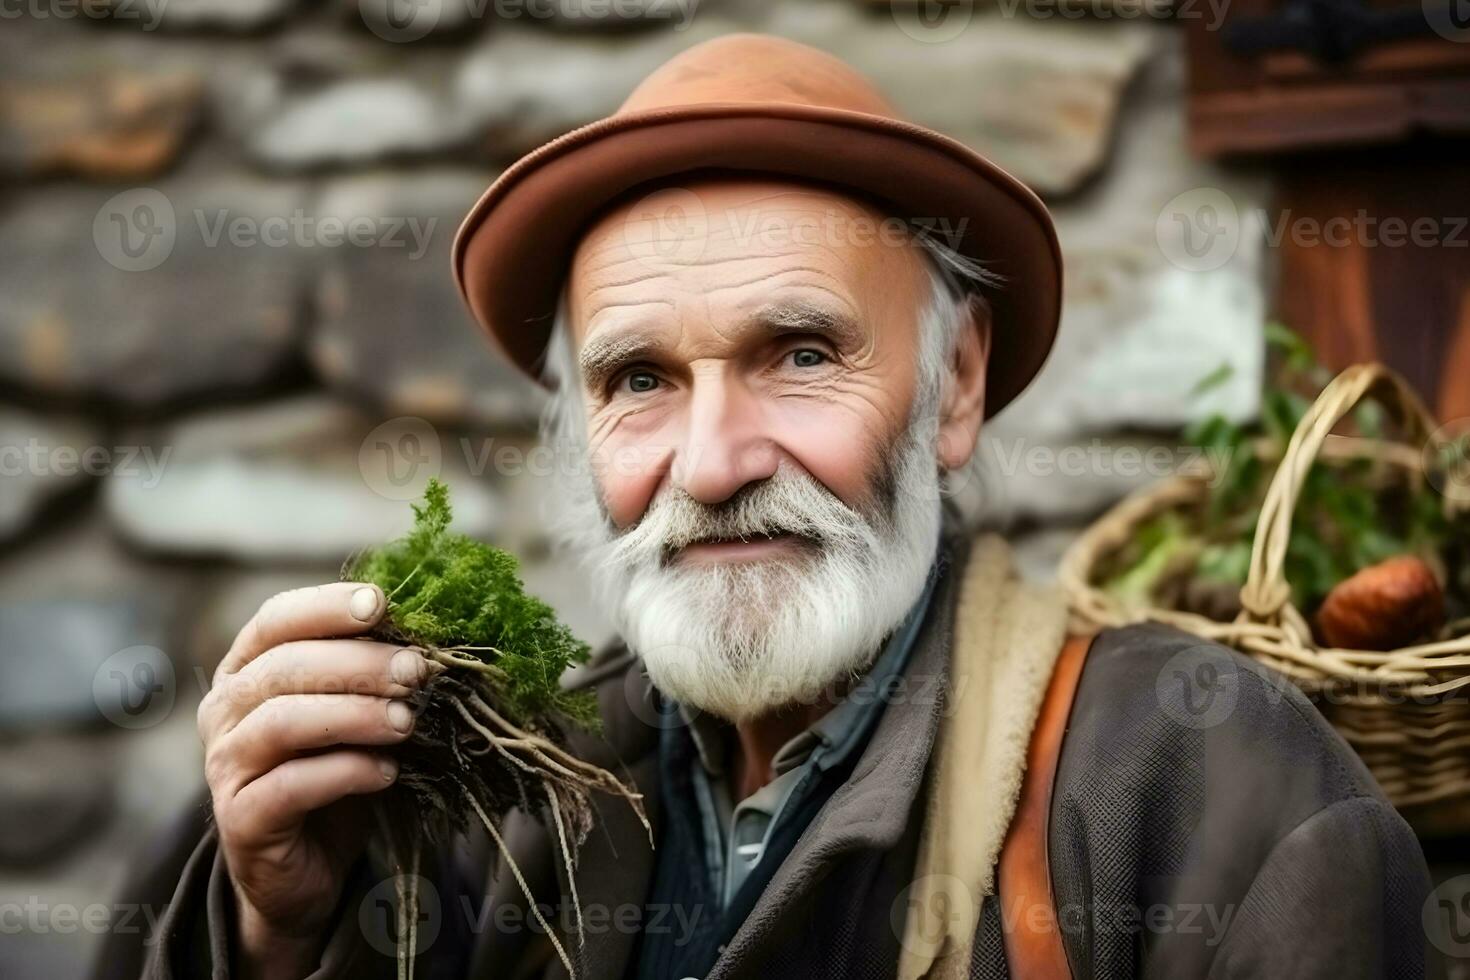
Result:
pixel 727 444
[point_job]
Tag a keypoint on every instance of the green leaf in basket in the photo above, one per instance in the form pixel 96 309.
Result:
pixel 1310 569
pixel 1213 380
pixel 1227 561
pixel 1371 420
pixel 1281 413
pixel 1298 352
pixel 1428 525
pixel 1163 546
pixel 1348 515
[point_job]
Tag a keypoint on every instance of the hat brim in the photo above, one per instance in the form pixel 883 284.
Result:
pixel 513 250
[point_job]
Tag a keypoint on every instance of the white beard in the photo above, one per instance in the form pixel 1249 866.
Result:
pixel 741 640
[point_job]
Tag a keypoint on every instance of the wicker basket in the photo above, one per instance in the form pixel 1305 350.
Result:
pixel 1407 711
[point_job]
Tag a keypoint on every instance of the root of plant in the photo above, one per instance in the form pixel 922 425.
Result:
pixel 491 720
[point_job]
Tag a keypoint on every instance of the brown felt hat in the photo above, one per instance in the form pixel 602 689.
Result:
pixel 770 107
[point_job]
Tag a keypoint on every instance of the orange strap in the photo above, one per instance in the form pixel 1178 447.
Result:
pixel 1033 937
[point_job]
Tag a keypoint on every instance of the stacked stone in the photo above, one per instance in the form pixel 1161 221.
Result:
pixel 230 348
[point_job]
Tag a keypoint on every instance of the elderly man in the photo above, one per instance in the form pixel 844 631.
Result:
pixel 774 318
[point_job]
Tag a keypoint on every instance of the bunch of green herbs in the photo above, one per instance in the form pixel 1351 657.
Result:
pixel 491 722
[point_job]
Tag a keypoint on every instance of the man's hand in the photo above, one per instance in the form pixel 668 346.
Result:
pixel 293 730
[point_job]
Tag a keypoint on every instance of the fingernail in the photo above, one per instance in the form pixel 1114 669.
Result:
pixel 407 668
pixel 364 604
pixel 400 715
pixel 389 769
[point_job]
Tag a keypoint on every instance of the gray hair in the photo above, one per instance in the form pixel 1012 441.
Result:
pixel 957 284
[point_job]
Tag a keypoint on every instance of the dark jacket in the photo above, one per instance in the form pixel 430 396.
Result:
pixel 1215 831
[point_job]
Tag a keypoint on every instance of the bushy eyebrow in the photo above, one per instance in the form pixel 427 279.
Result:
pixel 782 318
pixel 607 353
pixel 604 356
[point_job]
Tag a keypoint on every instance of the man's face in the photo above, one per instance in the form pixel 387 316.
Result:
pixel 775 332
pixel 763 505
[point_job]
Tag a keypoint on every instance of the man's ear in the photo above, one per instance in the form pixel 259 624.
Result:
pixel 962 407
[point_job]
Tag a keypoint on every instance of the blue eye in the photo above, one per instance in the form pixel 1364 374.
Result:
pixel 807 357
pixel 641 381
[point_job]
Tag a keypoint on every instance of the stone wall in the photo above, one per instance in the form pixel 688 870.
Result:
pixel 227 325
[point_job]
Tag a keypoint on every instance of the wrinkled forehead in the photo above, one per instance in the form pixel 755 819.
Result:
pixel 734 237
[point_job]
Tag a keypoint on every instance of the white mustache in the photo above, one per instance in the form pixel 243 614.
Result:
pixel 789 502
